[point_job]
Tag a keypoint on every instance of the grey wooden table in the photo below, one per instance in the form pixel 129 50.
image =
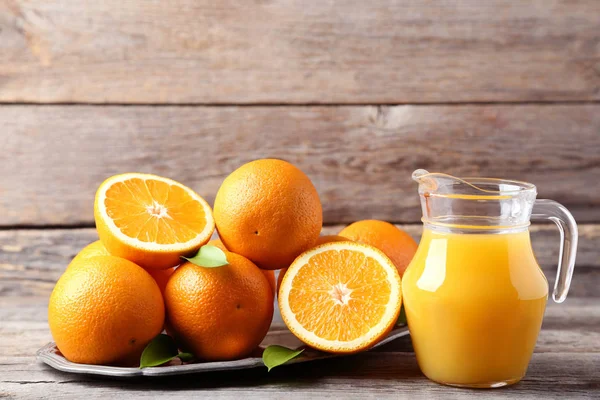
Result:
pixel 566 363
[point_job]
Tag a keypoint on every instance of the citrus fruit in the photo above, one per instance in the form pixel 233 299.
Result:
pixel 217 243
pixel 330 238
pixel 269 274
pixel 341 297
pixel 269 212
pixel 395 243
pixel 320 240
pixel 105 310
pixel 93 249
pixel 220 313
pixel 96 248
pixel 161 276
pixel 151 220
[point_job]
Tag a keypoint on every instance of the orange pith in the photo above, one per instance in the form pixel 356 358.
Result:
pixel 341 297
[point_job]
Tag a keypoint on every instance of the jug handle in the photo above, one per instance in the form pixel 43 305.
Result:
pixel 551 210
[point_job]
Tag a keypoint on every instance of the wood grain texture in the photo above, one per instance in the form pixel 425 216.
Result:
pixel 566 365
pixel 288 51
pixel 360 157
pixel 32 260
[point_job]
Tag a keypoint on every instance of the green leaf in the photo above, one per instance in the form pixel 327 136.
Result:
pixel 401 317
pixel 209 257
pixel 275 355
pixel 160 350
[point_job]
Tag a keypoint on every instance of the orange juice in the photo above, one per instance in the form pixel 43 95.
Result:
pixel 474 304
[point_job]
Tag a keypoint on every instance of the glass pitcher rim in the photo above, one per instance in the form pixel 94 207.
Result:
pixel 517 187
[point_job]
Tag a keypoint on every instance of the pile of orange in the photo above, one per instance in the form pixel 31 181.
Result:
pixel 336 293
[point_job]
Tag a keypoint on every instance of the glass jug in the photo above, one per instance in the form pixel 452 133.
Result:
pixel 474 294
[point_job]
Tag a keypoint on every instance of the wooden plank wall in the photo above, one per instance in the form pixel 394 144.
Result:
pixel 358 94
pixel 293 51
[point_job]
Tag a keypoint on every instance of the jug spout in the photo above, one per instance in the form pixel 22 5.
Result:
pixel 421 177
pixel 439 183
pixel 418 173
pixel 476 203
pixel 432 182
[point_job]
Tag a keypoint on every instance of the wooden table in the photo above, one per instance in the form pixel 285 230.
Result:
pixel 566 363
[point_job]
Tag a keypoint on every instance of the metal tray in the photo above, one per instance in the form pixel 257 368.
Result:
pixel 278 334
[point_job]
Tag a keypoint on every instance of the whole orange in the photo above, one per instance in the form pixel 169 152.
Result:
pixel 161 276
pixel 105 310
pixel 320 240
pixel 217 243
pixel 394 242
pixel 269 274
pixel 220 313
pixel 94 249
pixel 268 211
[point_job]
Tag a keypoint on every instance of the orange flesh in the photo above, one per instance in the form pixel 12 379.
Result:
pixel 154 211
pixel 344 294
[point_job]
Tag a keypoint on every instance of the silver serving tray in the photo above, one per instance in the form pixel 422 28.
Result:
pixel 278 334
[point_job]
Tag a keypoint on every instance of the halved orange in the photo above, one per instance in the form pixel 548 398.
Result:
pixel 341 297
pixel 320 240
pixel 151 220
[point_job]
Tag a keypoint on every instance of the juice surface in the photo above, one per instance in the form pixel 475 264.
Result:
pixel 474 304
